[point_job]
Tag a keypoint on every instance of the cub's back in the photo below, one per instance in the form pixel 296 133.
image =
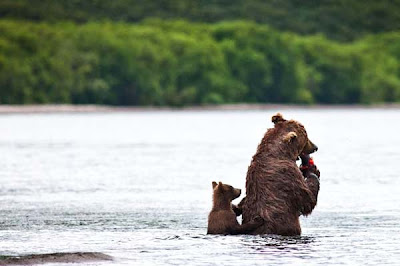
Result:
pixel 219 222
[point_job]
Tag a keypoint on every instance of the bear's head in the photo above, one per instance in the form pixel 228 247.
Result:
pixel 293 136
pixel 224 192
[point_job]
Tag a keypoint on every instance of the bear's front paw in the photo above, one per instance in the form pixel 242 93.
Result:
pixel 312 175
pixel 313 170
pixel 237 210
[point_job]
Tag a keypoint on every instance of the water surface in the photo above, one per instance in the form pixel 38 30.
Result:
pixel 137 186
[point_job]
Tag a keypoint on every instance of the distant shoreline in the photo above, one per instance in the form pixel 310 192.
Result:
pixel 70 108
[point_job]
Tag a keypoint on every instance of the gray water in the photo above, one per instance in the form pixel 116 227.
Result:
pixel 137 186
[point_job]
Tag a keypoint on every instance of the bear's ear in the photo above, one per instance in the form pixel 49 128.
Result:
pixel 220 186
pixel 277 118
pixel 214 184
pixel 290 136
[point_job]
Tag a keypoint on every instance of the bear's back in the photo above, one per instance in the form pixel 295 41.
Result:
pixel 271 193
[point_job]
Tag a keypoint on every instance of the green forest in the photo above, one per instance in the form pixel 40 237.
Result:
pixel 176 53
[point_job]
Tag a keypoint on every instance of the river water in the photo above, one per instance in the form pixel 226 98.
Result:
pixel 137 186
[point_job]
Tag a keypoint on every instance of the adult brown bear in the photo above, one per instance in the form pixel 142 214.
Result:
pixel 276 188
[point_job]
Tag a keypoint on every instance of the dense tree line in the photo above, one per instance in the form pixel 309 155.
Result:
pixel 338 19
pixel 159 62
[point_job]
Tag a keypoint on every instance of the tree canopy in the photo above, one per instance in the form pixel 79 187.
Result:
pixel 338 19
pixel 176 62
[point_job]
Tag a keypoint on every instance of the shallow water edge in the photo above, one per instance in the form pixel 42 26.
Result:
pixel 92 108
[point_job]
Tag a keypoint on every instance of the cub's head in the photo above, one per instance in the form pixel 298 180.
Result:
pixel 293 135
pixel 225 192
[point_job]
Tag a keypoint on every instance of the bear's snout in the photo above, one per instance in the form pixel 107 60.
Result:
pixel 315 148
pixel 310 148
pixel 238 192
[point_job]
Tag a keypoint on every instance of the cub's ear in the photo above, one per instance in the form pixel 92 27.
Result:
pixel 277 118
pixel 290 136
pixel 214 184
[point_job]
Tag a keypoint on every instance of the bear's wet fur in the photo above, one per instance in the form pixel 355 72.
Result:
pixel 222 218
pixel 276 189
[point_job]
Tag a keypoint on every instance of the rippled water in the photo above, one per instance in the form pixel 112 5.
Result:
pixel 137 186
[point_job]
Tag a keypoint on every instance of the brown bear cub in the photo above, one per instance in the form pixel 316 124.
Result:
pixel 222 218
